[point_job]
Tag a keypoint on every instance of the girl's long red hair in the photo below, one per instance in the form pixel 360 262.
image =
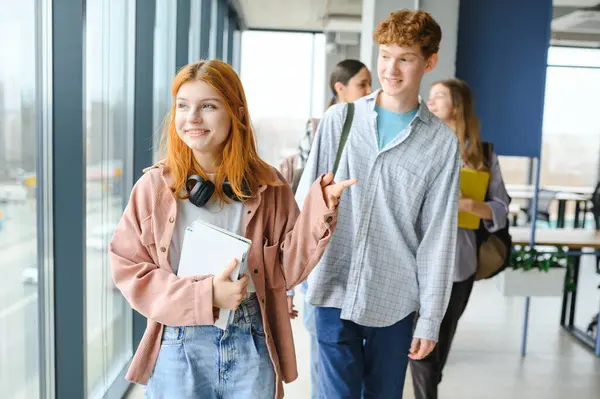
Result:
pixel 240 160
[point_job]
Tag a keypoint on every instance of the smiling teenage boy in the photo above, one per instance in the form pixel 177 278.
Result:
pixel 393 252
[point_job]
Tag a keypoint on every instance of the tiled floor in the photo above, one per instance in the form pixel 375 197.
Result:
pixel 485 362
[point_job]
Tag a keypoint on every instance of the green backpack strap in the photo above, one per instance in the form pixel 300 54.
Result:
pixel 344 137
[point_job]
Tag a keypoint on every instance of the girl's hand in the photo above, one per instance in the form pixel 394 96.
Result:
pixel 333 191
pixel 229 294
pixel 291 309
pixel 465 204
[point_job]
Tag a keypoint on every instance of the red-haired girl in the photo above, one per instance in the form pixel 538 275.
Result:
pixel 212 172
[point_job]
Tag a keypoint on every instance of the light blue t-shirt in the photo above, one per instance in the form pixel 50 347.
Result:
pixel 390 124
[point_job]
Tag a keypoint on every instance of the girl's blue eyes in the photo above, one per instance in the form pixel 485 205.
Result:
pixel 204 106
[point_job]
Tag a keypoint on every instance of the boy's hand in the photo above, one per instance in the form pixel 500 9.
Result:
pixel 420 348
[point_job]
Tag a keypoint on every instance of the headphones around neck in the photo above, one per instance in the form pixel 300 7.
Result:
pixel 200 191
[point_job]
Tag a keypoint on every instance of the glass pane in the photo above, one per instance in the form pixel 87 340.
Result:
pixel 319 81
pixel 225 55
pixel 194 39
pixel 109 90
pixel 572 56
pixel 237 51
pixel 19 366
pixel 212 54
pixel 230 29
pixel 165 33
pixel 571 125
pixel 279 124
pixel 514 169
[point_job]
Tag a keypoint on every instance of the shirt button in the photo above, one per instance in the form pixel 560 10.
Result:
pixel 329 219
pixel 262 300
pixel 171 219
pixel 255 271
pixel 163 249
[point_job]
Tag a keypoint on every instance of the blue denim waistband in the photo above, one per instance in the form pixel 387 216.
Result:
pixel 248 309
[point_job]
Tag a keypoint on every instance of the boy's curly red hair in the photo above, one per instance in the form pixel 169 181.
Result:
pixel 407 28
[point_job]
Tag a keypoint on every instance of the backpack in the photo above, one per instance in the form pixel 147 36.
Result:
pixel 297 174
pixel 493 249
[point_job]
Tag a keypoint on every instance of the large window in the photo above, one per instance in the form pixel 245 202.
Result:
pixel 284 92
pixel 109 66
pixel 42 220
pixel 571 139
pixel 19 324
pixel 194 43
pixel 571 129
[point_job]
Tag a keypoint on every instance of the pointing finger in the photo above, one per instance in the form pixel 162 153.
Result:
pixel 341 186
pixel 348 183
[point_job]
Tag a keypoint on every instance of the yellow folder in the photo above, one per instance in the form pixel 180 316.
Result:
pixel 474 185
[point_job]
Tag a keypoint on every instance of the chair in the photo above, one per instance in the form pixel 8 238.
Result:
pixel 595 209
pixel 545 198
pixel 592 328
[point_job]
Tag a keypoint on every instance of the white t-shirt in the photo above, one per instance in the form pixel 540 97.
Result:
pixel 226 216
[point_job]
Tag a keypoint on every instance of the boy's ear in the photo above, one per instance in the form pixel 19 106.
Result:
pixel 431 62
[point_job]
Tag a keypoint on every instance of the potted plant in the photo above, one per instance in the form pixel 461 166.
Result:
pixel 538 271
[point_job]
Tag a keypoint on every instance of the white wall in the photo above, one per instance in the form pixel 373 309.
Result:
pixel 331 59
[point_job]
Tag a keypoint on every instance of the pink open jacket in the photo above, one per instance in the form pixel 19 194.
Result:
pixel 286 246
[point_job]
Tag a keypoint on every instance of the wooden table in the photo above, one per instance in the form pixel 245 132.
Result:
pixel 573 239
pixel 562 198
pixel 585 190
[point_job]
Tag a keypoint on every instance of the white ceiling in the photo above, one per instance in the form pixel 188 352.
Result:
pixel 575 3
pixel 311 15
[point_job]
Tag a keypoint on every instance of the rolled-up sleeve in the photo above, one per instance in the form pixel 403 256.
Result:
pixel 497 198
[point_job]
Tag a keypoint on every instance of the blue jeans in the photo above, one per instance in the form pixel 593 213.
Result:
pixel 361 362
pixel 207 362
pixel 310 325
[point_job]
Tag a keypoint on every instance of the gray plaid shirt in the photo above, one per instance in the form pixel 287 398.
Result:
pixel 394 248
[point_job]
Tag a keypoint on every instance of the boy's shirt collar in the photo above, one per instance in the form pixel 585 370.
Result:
pixel 424 114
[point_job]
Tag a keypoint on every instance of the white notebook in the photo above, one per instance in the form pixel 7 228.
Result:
pixel 208 249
